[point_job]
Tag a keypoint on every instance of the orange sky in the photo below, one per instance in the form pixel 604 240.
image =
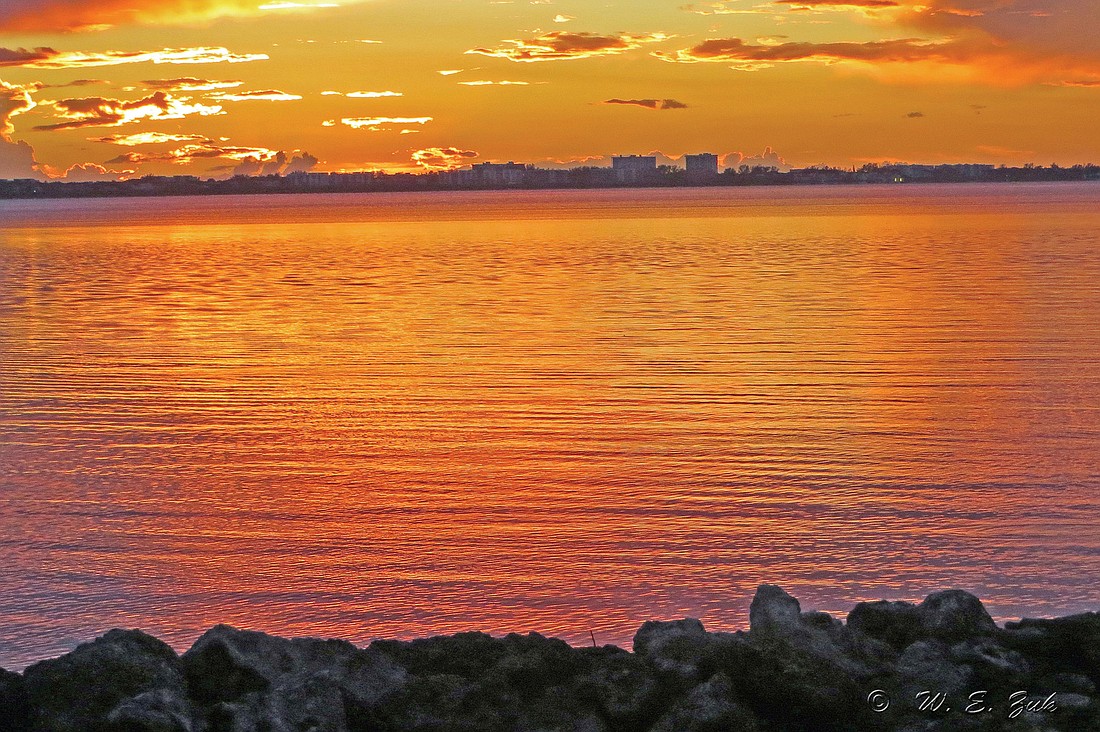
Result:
pixel 101 88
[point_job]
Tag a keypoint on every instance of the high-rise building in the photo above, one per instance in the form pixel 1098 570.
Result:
pixel 634 168
pixel 703 164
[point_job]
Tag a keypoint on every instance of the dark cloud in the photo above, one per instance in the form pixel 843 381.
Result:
pixel 301 164
pixel 23 56
pixel 915 115
pixel 650 103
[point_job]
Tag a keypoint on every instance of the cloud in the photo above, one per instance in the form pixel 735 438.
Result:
pixel 267 95
pixel 375 124
pixel 497 83
pixel 650 103
pixel 199 151
pixel 442 158
pixel 915 115
pixel 275 165
pixel 148 138
pixel 103 112
pixel 767 159
pixel 564 46
pixel 363 94
pixel 24 56
pixel 90 172
pixel 16 157
pixel 559 18
pixel 1002 42
pixel 48 58
pixel 839 4
pixel 301 164
pixel 83 15
pixel 76 83
pixel 190 84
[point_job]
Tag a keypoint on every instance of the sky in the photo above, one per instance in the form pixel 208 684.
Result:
pixel 102 89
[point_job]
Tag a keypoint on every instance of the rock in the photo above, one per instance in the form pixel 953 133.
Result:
pixel 620 686
pixel 927 666
pixel 674 647
pixel 954 615
pixel 245 678
pixel 773 611
pixel 162 710
pixel 1069 645
pixel 895 623
pixel 710 707
pixel 77 692
pixel 14 706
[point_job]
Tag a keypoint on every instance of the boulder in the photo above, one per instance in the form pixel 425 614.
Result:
pixel 954 615
pixel 674 648
pixel 710 707
pixel 162 710
pixel 895 623
pixel 77 692
pixel 773 611
pixel 300 684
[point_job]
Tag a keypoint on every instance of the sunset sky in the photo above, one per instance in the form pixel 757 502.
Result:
pixel 102 88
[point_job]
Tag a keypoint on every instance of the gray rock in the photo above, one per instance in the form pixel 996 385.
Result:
pixel 773 611
pixel 675 647
pixel 953 615
pixel 895 623
pixel 76 692
pixel 247 679
pixel 927 666
pixel 162 710
pixel 710 707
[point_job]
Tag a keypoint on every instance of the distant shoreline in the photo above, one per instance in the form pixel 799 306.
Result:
pixel 518 178
pixel 941 665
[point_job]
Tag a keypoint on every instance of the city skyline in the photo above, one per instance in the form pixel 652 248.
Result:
pixel 221 87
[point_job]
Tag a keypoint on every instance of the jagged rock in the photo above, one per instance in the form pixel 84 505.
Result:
pixel 927 666
pixel 773 611
pixel 709 707
pixel 676 647
pixel 895 623
pixel 620 686
pixel 292 685
pixel 163 710
pixel 77 692
pixel 1070 644
pixel 14 705
pixel 953 615
pixel 792 672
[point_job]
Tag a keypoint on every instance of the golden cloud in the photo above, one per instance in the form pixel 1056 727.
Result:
pixel 48 58
pixel 442 158
pixel 375 124
pixel 190 84
pixel 267 95
pixel 565 46
pixel 149 138
pixel 103 112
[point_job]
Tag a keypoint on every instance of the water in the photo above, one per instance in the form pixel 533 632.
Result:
pixel 401 415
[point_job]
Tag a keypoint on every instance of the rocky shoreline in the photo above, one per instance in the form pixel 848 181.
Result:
pixel 884 669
